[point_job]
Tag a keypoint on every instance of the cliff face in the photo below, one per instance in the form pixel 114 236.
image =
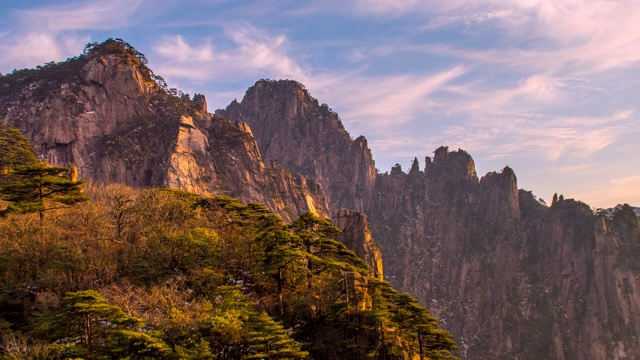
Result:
pixel 357 236
pixel 296 132
pixel 105 112
pixel 508 276
pixel 66 116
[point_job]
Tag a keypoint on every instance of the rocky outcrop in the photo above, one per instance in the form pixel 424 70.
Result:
pixel 108 114
pixel 183 171
pixel 357 236
pixel 65 118
pixel 296 132
pixel 241 173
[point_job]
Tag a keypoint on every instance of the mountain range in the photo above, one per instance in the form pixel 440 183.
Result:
pixel 508 275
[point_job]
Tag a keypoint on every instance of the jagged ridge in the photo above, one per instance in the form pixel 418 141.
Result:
pixel 118 123
pixel 509 277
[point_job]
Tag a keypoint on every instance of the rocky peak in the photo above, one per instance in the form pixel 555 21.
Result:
pixel 296 132
pixel 456 163
pixel 499 197
pixel 357 236
pixel 201 102
pixel 415 167
pixel 610 213
pixel 76 103
pixel 396 170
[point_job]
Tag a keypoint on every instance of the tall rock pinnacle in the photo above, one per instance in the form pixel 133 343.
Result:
pixel 307 138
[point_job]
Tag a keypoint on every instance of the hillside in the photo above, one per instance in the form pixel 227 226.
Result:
pixel 164 274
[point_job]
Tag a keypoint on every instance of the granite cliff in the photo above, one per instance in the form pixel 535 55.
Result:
pixel 508 276
pixel 283 116
pixel 107 113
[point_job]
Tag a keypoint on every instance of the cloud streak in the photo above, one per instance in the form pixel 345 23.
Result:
pixel 576 36
pixel 102 15
pixel 54 33
pixel 571 137
pixel 252 54
pixel 378 101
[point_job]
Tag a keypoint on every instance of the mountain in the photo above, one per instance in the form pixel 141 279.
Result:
pixel 283 117
pixel 110 115
pixel 507 275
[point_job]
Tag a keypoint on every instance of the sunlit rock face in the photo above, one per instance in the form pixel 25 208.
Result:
pixel 105 113
pixel 508 276
pixel 296 132
pixel 357 236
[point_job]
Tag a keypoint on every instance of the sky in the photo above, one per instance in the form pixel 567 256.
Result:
pixel 549 87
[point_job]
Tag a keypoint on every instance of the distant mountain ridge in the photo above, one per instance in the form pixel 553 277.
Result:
pixel 508 276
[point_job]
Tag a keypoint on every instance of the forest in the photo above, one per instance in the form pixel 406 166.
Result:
pixel 89 271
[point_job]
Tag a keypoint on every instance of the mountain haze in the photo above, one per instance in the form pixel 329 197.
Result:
pixel 507 275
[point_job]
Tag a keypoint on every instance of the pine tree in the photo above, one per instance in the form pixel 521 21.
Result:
pixel 381 318
pixel 422 328
pixel 15 149
pixel 282 254
pixel 39 188
pixel 325 252
pixel 269 340
pixel 98 329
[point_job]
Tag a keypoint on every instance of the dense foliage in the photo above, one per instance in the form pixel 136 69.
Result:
pixel 164 274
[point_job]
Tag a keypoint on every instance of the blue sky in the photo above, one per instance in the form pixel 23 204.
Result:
pixel 548 87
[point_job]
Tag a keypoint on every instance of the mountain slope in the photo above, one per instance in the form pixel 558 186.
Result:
pixel 107 113
pixel 508 276
pixel 284 117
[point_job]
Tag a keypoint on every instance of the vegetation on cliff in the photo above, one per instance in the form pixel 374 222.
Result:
pixel 159 273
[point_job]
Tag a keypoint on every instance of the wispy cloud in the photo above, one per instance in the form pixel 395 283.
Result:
pixel 567 138
pixel 609 196
pixel 43 34
pixel 81 16
pixel 383 101
pixel 253 54
pixel 378 101
pixel 30 49
pixel 584 168
pixel 575 36
pixel 630 180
